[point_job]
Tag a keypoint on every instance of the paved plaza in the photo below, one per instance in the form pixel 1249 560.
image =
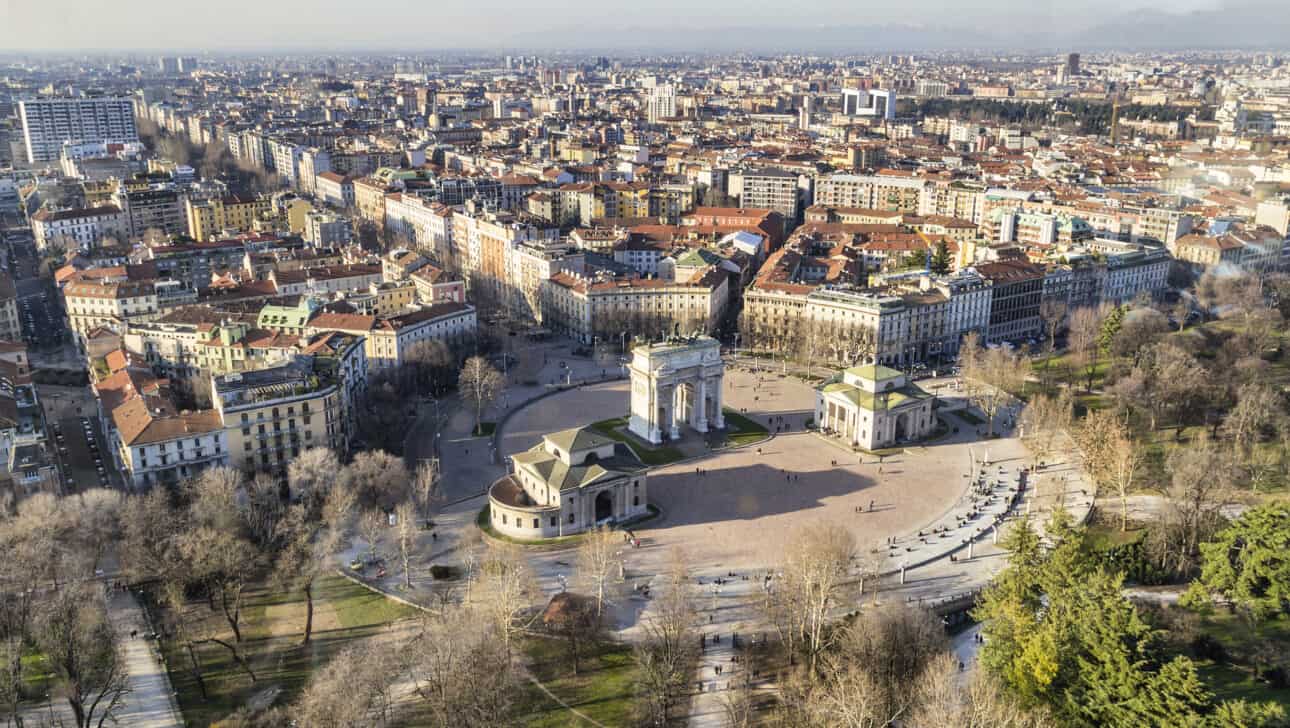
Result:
pixel 736 508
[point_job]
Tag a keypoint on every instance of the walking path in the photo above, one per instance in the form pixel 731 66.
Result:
pixel 150 702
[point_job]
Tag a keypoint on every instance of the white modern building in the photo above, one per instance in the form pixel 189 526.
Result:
pixel 48 123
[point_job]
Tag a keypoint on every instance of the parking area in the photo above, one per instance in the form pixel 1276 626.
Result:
pixel 79 443
pixel 41 315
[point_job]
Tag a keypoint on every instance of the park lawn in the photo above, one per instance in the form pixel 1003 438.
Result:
pixel 1108 536
pixel 272 628
pixel 603 689
pixel 37 676
pixel 969 417
pixel 742 430
pixel 1235 679
pixel 1231 682
pixel 649 454
pixel 485 429
pixel 1239 637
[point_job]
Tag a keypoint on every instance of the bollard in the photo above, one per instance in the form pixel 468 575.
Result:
pixel 971 545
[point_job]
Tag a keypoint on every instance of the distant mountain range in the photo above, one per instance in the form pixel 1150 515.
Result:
pixel 1252 26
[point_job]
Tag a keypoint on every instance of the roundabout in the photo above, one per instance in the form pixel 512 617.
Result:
pixel 736 507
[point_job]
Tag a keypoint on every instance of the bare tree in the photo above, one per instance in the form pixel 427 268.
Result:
pixel 148 524
pixel 893 644
pixel 406 534
pixel 1044 419
pixel 573 619
pixel 378 479
pixel 990 377
pixel 597 563
pixel 1085 330
pixel 504 589
pixel 668 649
pixel 1256 409
pixel 222 563
pixel 426 487
pixel 311 475
pixel 309 549
pixel 479 385
pixel 462 671
pixel 81 649
pixel 945 698
pixel 352 690
pixel 1111 455
pixel 371 525
pixel 1200 484
pixel 814 570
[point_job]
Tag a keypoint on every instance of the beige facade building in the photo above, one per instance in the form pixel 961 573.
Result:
pixel 872 407
pixel 574 480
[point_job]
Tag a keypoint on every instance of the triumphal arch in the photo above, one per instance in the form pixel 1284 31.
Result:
pixel 676 382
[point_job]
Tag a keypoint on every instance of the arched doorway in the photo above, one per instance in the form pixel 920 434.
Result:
pixel 604 505
pixel 902 428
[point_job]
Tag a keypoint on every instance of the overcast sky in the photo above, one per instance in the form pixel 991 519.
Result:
pixel 599 24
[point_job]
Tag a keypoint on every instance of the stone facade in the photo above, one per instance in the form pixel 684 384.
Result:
pixel 574 480
pixel 873 407
pixel 676 383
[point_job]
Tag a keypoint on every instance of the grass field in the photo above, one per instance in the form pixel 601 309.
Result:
pixel 742 430
pixel 649 454
pixel 272 628
pixel 603 689
pixel 1234 678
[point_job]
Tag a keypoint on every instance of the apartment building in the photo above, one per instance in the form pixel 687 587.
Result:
pixel 436 285
pixel 10 326
pixel 151 208
pixel 213 218
pixel 773 189
pixel 85 228
pixel 1030 227
pixel 1245 247
pixel 152 442
pixel 271 415
pixel 426 225
pixel 1016 289
pixel 91 304
pixel 47 123
pixel 588 309
pixel 875 192
pixel 481 241
pixel 387 339
pixel 335 189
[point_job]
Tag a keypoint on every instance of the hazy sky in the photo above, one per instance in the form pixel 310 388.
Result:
pixel 427 24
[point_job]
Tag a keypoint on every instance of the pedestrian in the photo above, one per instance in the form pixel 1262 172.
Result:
pixel 871 506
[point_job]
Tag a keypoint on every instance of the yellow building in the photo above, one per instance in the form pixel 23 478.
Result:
pixel 208 219
pixel 298 215
pixel 393 297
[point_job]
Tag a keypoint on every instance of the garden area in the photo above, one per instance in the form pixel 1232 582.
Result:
pixel 604 688
pixel 272 627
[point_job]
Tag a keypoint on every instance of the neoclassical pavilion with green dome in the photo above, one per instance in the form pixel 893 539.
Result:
pixel 573 480
pixel 873 407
